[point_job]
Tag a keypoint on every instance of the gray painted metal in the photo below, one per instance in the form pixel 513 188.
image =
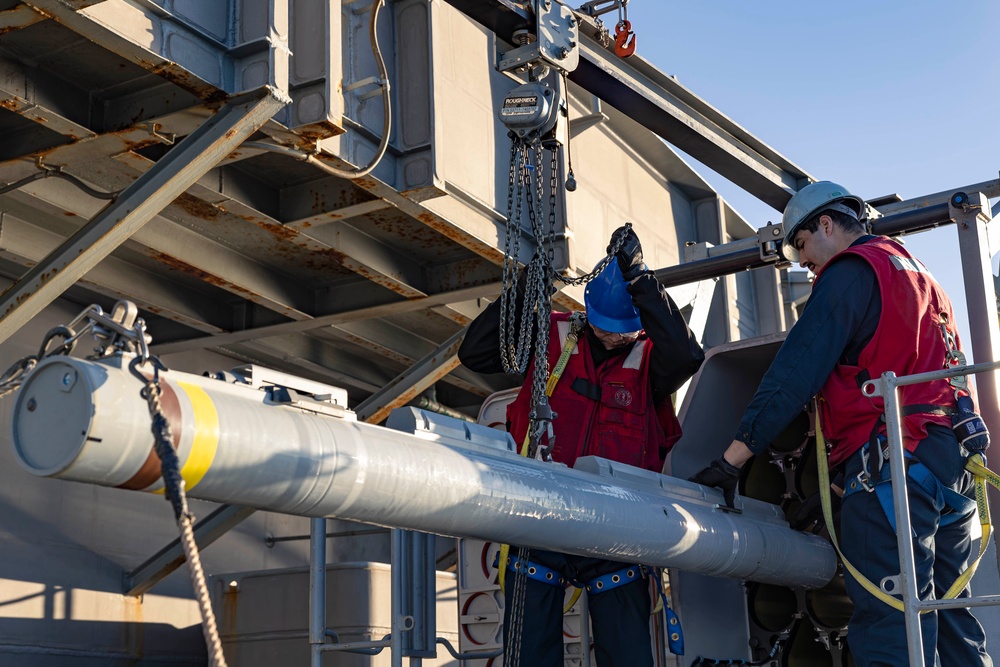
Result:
pixel 662 105
pixel 198 153
pixel 411 382
pixel 299 463
pixel 907 581
pixel 980 293
pixel 171 557
pixel 989 188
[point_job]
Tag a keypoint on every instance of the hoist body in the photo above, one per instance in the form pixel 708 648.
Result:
pixel 531 107
pixel 85 421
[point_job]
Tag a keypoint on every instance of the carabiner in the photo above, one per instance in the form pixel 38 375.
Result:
pixel 624 39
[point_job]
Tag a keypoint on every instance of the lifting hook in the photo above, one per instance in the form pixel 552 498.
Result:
pixel 624 39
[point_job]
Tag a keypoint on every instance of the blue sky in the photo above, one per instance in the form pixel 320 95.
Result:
pixel 882 97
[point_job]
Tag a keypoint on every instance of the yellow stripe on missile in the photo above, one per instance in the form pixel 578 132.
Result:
pixel 206 436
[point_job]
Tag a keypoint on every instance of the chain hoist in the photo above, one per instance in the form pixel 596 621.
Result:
pixel 531 112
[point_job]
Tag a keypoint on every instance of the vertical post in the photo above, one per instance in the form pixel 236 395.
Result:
pixel 317 590
pixel 901 505
pixel 971 214
pixel 585 629
pixel 398 564
pixel 418 597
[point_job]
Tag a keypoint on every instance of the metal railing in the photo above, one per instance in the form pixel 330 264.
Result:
pixel 886 387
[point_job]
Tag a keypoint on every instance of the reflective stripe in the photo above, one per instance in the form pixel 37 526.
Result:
pixel 634 359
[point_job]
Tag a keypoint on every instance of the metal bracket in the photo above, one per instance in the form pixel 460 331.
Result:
pixel 876 387
pixel 556 43
pixel 167 138
pixel 599 7
pixel 769 240
pixel 892 584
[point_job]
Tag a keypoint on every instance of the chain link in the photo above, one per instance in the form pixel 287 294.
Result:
pixel 526 189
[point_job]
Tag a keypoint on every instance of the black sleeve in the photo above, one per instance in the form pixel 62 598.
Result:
pixel 480 349
pixel 676 353
pixel 839 319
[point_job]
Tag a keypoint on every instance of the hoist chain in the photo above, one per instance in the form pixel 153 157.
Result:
pixel 119 330
pixel 526 186
pixel 512 648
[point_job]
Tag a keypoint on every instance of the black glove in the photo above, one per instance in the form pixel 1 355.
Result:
pixel 629 254
pixel 722 475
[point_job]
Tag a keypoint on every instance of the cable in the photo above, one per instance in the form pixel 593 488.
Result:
pixel 48 172
pixel 386 120
pixel 386 108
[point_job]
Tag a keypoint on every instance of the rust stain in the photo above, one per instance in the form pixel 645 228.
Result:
pixel 134 627
pixel 280 231
pixel 131 145
pixel 197 207
pixel 10 105
pixel 185 80
pixel 320 260
pixel 182 266
pixel 70 214
pixel 230 607
pixel 306 225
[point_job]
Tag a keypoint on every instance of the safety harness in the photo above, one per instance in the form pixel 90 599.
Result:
pixel 546 575
pixel 972 435
pixel 603 584
pixel 918 472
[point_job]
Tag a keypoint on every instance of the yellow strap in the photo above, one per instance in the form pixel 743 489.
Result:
pixel 974 465
pixel 571 339
pixel 573 598
pixel 502 564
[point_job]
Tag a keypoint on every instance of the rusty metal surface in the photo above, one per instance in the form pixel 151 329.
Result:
pixel 266 258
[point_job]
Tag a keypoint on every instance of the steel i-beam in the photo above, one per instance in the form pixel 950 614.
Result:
pixel 148 195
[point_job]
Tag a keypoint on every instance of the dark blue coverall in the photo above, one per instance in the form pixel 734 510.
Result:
pixel 836 324
pixel 620 616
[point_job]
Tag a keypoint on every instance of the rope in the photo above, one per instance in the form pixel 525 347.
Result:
pixel 174 491
pixel 209 628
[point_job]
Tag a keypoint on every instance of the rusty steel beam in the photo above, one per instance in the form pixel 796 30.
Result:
pixel 173 174
pixel 394 307
pixel 411 382
pixel 26 244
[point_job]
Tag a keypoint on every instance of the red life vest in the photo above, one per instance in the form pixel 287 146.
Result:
pixel 623 425
pixel 907 340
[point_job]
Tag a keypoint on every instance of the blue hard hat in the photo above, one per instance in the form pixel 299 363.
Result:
pixel 609 305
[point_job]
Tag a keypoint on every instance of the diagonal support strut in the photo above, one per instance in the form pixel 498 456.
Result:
pixel 172 175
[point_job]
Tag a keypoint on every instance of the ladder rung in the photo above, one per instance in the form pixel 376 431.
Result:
pixel 982 601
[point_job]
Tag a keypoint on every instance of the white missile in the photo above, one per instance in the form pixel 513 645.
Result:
pixel 85 421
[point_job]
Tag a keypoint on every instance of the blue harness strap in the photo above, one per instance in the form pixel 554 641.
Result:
pixel 606 582
pixel 545 575
pixel 960 505
pixel 603 584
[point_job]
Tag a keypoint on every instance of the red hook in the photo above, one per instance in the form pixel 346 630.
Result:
pixel 624 39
